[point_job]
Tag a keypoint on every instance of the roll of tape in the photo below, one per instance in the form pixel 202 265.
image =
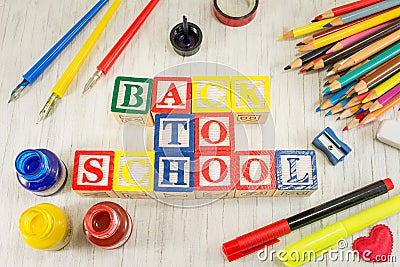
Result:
pixel 239 15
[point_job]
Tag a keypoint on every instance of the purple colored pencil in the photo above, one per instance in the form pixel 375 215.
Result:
pixel 386 98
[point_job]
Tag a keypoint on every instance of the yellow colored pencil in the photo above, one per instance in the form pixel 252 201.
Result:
pixel 63 83
pixel 383 88
pixel 303 30
pixel 359 27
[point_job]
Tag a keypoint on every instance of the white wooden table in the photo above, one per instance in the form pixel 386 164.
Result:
pixel 165 235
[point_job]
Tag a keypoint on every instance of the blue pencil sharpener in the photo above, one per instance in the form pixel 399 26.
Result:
pixel 331 145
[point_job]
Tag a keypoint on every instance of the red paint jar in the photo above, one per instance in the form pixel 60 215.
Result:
pixel 107 225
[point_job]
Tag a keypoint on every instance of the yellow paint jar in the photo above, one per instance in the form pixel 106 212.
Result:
pixel 46 227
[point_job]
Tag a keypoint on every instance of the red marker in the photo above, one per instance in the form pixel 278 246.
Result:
pixel 268 235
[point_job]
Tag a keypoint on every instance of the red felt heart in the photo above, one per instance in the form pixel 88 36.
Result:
pixel 376 247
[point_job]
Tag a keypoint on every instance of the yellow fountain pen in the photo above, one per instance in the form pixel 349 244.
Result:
pixel 69 74
pixel 320 242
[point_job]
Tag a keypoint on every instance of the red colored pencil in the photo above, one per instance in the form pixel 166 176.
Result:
pixel 346 9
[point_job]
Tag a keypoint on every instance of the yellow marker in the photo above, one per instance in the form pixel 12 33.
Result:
pixel 211 94
pixel 383 88
pixel 356 28
pixel 133 174
pixel 318 243
pixel 303 30
pixel 69 74
pixel 45 227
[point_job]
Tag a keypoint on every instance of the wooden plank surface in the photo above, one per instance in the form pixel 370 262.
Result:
pixel 165 235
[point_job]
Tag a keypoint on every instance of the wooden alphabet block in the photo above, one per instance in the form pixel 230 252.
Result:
pixel 296 172
pixel 251 99
pixel 174 175
pixel 256 173
pixel 212 175
pixel 93 173
pixel 211 94
pixel 131 101
pixel 134 174
pixel 172 95
pixel 214 132
pixel 174 132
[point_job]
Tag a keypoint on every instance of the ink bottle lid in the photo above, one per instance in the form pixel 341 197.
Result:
pixel 45 227
pixel 40 171
pixel 186 38
pixel 107 225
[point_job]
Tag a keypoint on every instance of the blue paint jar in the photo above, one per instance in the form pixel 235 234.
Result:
pixel 41 172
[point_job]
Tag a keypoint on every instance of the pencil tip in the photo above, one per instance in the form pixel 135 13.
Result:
pixel 327 90
pixel 280 37
pixel 338 118
pixel 327 83
pixel 318 109
pixel 327 25
pixel 288 67
pixel 315 20
pixel 345 129
pixel 330 51
pixel 300 44
pixel 328 114
pixel 359 111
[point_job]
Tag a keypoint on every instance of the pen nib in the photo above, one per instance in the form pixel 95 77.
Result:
pixel 44 113
pixel 18 90
pixel 92 81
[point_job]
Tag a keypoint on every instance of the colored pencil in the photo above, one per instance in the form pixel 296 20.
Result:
pixel 394 26
pixel 338 107
pixel 363 12
pixel 386 98
pixel 378 113
pixel 382 88
pixel 349 112
pixel 335 29
pixel 347 42
pixel 306 29
pixel 297 63
pixel 371 50
pixel 335 70
pixel 337 11
pixel 310 65
pixel 356 120
pixel 356 100
pixel 365 107
pixel 377 60
pixel 379 75
pixel 359 27
pixel 333 100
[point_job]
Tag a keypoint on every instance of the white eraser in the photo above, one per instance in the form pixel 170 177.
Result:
pixel 389 133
